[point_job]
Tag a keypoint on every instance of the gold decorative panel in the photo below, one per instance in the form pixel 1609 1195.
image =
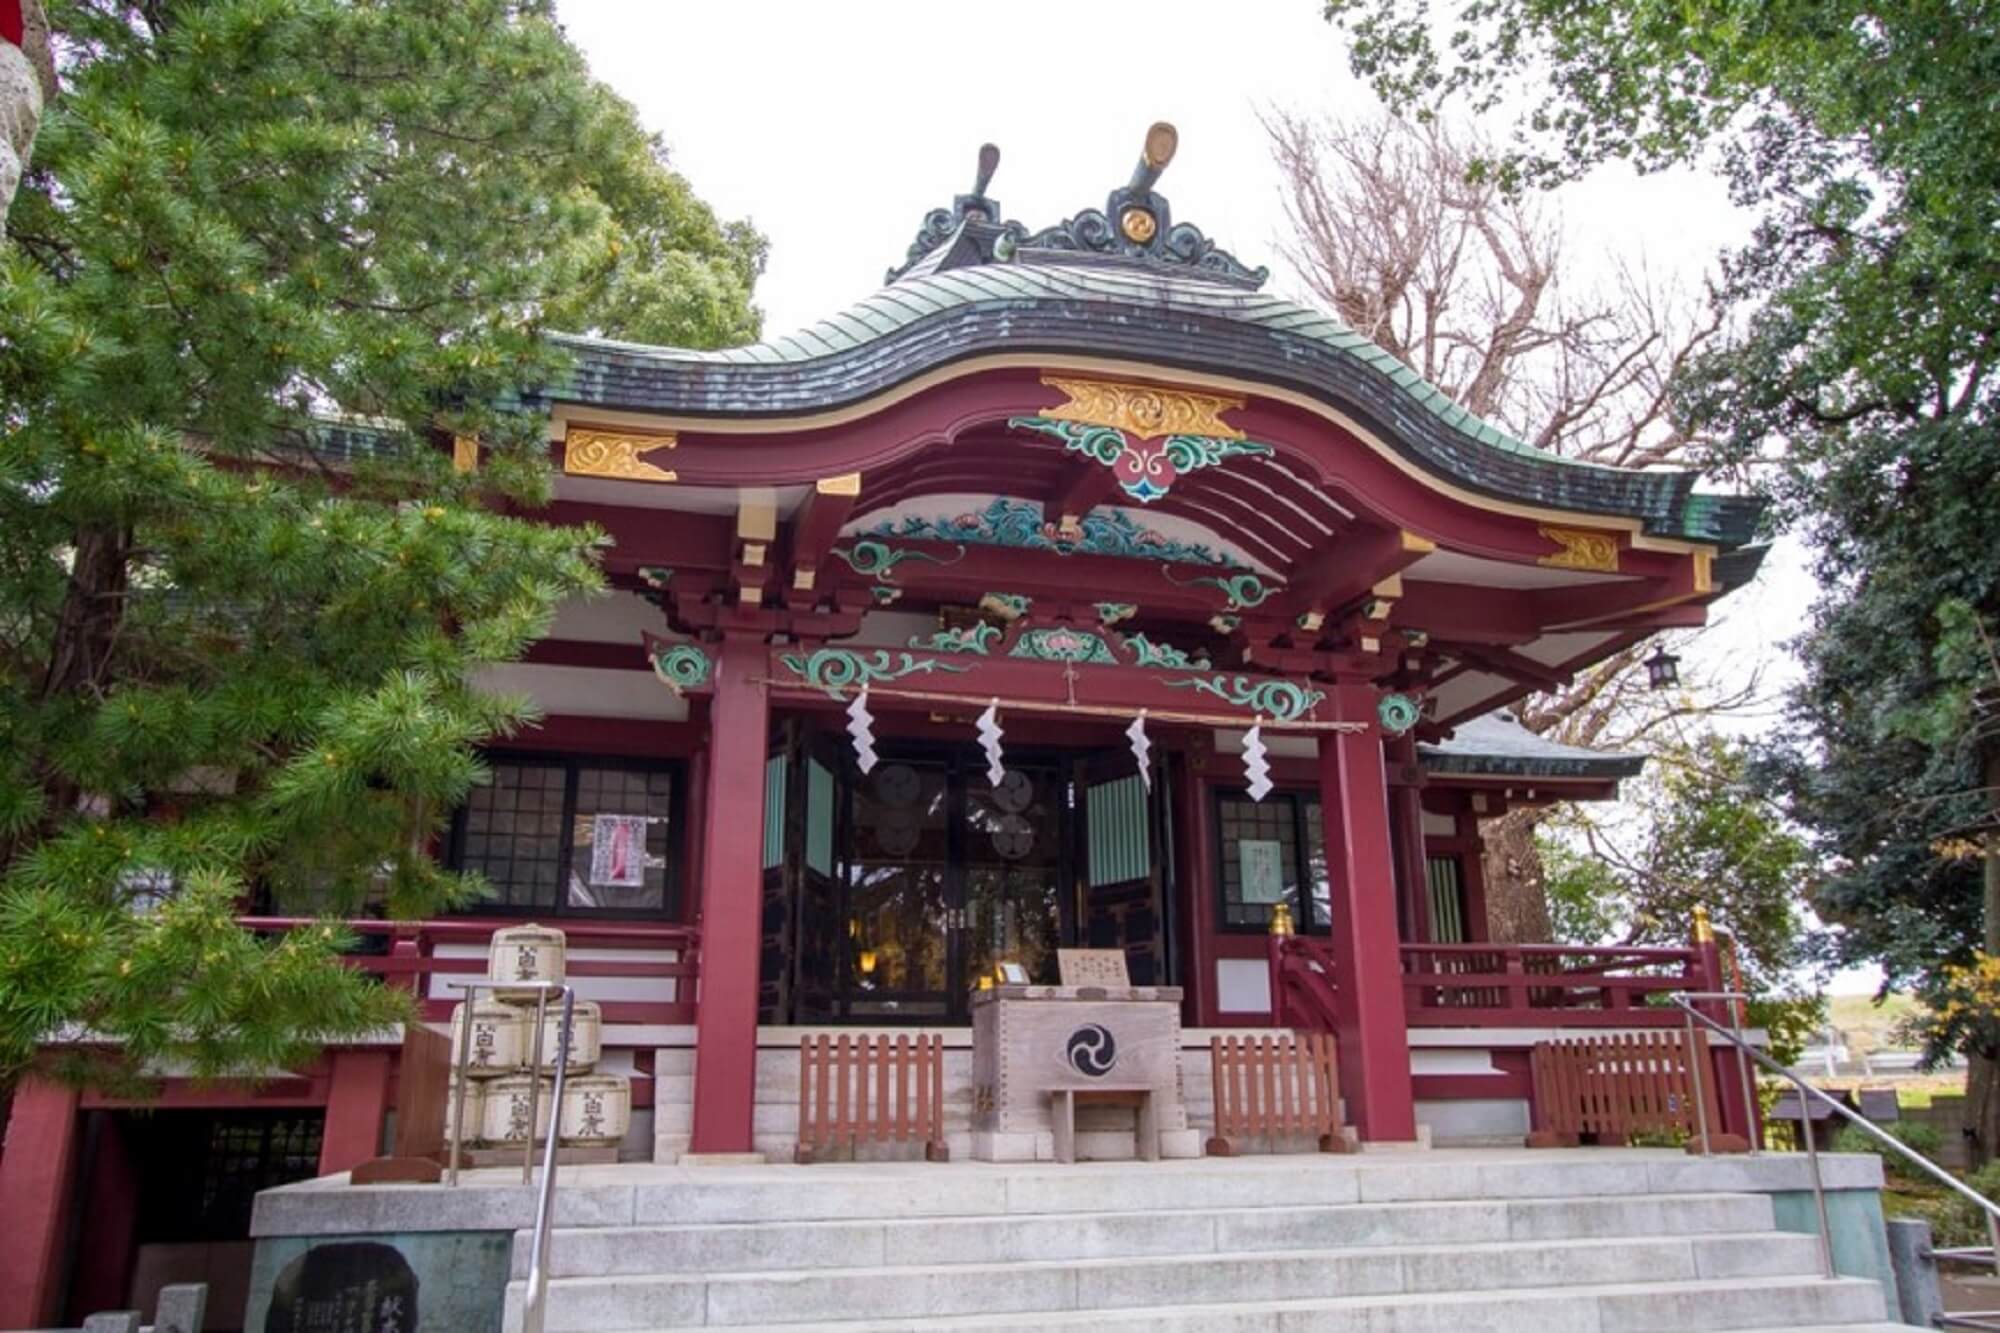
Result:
pixel 1596 551
pixel 604 453
pixel 1141 410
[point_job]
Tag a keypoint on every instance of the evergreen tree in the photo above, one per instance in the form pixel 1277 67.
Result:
pixel 272 258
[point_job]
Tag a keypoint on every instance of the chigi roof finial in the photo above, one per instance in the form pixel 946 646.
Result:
pixel 1134 224
pixel 940 223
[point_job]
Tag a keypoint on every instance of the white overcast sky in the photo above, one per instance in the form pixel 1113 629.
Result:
pixel 835 127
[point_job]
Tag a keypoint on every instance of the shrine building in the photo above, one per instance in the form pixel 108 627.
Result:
pixel 1069 590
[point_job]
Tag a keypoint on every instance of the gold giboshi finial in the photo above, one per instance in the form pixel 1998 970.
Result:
pixel 1704 930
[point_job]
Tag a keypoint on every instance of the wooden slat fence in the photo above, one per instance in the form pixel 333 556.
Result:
pixel 1267 1086
pixel 864 1088
pixel 1613 1087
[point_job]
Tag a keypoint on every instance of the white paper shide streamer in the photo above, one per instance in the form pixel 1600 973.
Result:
pixel 1142 748
pixel 1256 765
pixel 861 726
pixel 989 741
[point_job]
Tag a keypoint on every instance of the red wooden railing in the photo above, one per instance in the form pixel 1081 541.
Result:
pixel 411 960
pixel 1499 985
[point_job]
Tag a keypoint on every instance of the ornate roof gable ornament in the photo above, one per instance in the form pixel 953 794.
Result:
pixel 941 223
pixel 1136 223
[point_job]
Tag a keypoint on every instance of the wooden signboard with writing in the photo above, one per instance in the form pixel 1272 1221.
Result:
pixel 1093 967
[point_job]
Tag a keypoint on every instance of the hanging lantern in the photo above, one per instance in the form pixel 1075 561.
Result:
pixel 989 741
pixel 1142 748
pixel 1256 764
pixel 860 725
pixel 1663 669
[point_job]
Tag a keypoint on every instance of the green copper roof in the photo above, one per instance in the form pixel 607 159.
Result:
pixel 940 312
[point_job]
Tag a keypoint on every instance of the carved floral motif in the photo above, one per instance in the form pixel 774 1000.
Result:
pixel 1062 644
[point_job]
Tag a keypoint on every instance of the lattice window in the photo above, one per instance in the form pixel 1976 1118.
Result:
pixel 556 835
pixel 1264 844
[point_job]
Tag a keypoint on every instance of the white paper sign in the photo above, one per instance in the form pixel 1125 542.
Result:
pixel 618 850
pixel 1262 864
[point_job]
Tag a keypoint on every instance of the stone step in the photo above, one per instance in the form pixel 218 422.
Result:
pixel 903 1189
pixel 749 1246
pixel 1766 1305
pixel 629 1301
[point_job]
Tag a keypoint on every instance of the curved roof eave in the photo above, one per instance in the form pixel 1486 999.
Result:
pixel 928 320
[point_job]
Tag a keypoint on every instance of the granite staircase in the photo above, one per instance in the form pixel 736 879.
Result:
pixel 1392 1243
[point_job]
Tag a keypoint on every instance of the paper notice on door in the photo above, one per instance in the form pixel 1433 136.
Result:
pixel 1262 866
pixel 618 850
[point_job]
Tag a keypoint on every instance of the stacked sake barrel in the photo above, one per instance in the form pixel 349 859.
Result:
pixel 596 1108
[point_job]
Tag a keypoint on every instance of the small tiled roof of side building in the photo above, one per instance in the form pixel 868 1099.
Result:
pixel 1497 745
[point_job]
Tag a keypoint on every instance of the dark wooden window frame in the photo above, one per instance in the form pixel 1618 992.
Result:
pixel 1298 798
pixel 571 762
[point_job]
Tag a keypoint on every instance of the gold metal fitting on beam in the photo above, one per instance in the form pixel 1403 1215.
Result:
pixel 1143 410
pixel 614 454
pixel 1594 551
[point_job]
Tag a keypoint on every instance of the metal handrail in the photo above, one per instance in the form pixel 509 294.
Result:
pixel 535 1297
pixel 1991 1253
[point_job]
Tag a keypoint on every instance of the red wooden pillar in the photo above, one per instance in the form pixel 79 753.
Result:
pixel 1406 820
pixel 1373 1039
pixel 356 1101
pixel 732 895
pixel 36 1170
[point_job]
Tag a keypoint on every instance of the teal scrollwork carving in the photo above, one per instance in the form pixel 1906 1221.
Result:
pixel 1019 524
pixel 1398 713
pixel 1279 700
pixel 1243 590
pixel 1146 469
pixel 1064 645
pixel 885 595
pixel 878 560
pixel 972 639
pixel 683 666
pixel 1146 653
pixel 837 669
pixel 1110 613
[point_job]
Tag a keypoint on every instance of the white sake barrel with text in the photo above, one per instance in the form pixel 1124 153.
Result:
pixel 474 1123
pixel 596 1110
pixel 525 953
pixel 586 1036
pixel 499 1039
pixel 505 1117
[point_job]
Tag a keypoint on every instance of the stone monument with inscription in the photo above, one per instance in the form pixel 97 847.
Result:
pixel 1089 1068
